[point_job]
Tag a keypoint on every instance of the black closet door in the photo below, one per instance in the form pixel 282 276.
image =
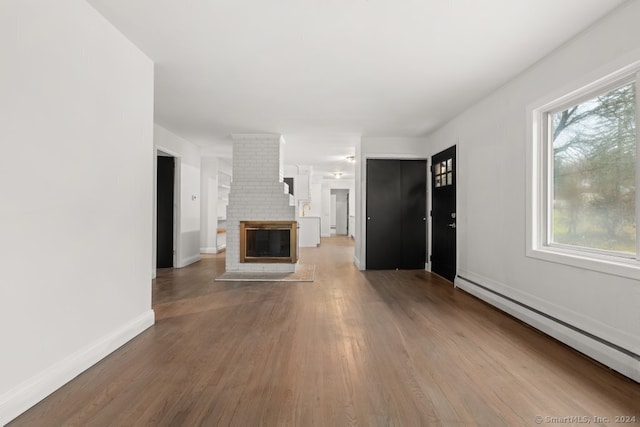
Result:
pixel 383 214
pixel 396 222
pixel 413 229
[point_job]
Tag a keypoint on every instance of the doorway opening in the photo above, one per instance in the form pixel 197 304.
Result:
pixel 339 212
pixel 165 205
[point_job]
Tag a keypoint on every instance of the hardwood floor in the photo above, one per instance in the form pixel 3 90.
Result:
pixel 375 348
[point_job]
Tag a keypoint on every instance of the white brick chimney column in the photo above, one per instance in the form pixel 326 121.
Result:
pixel 257 194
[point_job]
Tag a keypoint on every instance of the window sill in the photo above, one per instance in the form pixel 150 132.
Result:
pixel 617 266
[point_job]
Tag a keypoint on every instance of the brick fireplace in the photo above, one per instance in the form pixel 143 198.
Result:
pixel 258 198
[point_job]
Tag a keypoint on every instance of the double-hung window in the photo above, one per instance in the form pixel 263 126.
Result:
pixel 583 175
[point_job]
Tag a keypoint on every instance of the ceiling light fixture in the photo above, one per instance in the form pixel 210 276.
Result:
pixel 337 174
pixel 351 159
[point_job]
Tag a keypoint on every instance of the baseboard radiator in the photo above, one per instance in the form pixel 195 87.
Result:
pixel 617 357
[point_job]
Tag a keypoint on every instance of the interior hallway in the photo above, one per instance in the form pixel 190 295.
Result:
pixel 353 348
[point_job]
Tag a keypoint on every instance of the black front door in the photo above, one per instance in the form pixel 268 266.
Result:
pixel 164 220
pixel 443 202
pixel 396 219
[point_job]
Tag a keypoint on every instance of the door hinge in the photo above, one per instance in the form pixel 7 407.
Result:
pixel 430 213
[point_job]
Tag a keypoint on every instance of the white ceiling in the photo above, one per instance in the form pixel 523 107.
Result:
pixel 325 72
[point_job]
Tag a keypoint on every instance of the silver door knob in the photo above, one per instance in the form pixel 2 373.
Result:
pixel 452 225
pixel 368 218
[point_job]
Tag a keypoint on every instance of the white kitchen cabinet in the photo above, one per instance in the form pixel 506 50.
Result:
pixel 309 231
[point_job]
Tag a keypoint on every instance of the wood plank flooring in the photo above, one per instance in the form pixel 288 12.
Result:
pixel 375 348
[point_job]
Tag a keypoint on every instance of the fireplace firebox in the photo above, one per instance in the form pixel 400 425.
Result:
pixel 269 241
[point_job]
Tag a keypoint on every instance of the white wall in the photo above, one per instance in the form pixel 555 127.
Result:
pixel 76 123
pixel 187 157
pixel 359 217
pixel 491 202
pixel 315 206
pixel 378 148
pixel 208 204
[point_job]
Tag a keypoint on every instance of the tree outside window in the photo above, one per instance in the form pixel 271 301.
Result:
pixel 593 185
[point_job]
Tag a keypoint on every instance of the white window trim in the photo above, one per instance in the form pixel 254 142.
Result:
pixel 537 161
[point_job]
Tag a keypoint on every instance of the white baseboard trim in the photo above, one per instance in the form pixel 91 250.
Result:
pixel 356 261
pixel 584 342
pixel 221 248
pixel 208 250
pixel 188 261
pixel 24 396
